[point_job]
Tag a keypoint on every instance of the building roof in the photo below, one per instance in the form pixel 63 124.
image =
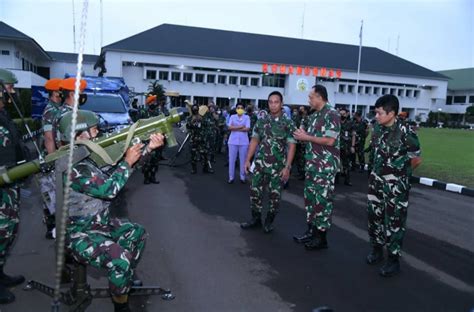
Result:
pixel 229 45
pixel 72 57
pixel 10 33
pixel 461 79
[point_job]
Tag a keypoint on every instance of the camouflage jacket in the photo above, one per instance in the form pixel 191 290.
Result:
pixel 253 121
pixel 51 115
pixel 392 149
pixel 194 127
pixel 11 146
pixel 296 118
pixel 273 135
pixel 208 126
pixel 361 130
pixel 347 128
pixel 323 159
pixel 92 189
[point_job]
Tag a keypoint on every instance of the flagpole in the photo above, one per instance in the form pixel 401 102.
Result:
pixel 358 64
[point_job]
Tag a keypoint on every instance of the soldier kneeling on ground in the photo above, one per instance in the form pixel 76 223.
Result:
pixel 92 236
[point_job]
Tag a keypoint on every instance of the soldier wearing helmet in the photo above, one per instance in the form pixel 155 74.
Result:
pixel 93 237
pixel 11 151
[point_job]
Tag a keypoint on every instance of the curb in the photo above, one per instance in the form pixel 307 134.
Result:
pixel 450 187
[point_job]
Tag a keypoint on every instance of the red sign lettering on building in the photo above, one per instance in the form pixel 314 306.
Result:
pixel 338 73
pixel 274 68
pixel 282 69
pixel 323 71
pixel 265 68
pixel 331 73
pixel 315 71
pixel 291 70
pixel 299 70
pixel 307 71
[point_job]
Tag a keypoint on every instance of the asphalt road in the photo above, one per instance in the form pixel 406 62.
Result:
pixel 197 249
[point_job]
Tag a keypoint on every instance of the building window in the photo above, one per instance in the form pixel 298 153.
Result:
pixel 449 100
pixel 164 75
pixel 341 88
pixel 384 91
pixel 151 74
pixel 254 81
pixel 471 99
pixel 360 90
pixel 5 52
pixel 188 77
pixel 199 78
pixel 367 90
pixel 350 89
pixel 176 76
pixel 458 99
pixel 393 91
pixel 244 81
pixel 232 80
pixel 211 78
pixel 277 81
pixel 416 93
pixel 400 92
pixel 409 93
pixel 376 90
pixel 222 79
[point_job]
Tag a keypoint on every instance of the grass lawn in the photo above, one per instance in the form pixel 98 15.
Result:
pixel 448 155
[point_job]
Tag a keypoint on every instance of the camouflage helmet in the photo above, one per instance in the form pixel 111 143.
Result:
pixel 85 120
pixel 7 77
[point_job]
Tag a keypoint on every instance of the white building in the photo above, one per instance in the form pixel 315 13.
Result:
pixel 224 66
pixel 460 93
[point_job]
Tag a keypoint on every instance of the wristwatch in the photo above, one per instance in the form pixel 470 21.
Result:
pixel 288 167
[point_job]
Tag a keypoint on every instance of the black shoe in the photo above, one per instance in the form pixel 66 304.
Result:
pixel 154 181
pixel 121 307
pixel 318 241
pixel 391 266
pixel 268 225
pixel 146 181
pixel 376 255
pixel 230 182
pixel 6 296
pixel 255 222
pixel 243 182
pixel 306 236
pixel 49 235
pixel 11 281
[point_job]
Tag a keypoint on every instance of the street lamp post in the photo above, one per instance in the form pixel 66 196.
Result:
pixel 240 94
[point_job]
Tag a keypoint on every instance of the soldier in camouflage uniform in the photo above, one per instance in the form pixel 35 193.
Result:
pixel 274 135
pixel 11 151
pixel 51 115
pixel 360 128
pixel 396 150
pixel 150 167
pixel 221 130
pixel 253 119
pixel 194 125
pixel 322 161
pixel 92 236
pixel 208 129
pixel 347 138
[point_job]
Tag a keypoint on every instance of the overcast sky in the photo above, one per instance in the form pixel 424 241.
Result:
pixel 437 34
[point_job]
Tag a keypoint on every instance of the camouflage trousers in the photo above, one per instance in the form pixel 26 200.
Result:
pixel 346 160
pixel 199 152
pixel 9 219
pixel 318 198
pixel 150 167
pixel 359 150
pixel 108 243
pixel 387 211
pixel 299 157
pixel 262 178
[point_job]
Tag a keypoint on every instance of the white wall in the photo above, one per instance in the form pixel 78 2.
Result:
pixel 6 61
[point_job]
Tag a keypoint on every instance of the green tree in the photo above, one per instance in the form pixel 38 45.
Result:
pixel 157 89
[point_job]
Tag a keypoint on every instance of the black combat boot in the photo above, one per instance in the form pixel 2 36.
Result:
pixel 146 177
pixel 376 255
pixel 120 304
pixel 362 167
pixel 256 221
pixel 306 236
pixel 10 281
pixel 193 169
pixel 318 241
pixel 208 168
pixel 268 225
pixel 391 266
pixel 6 296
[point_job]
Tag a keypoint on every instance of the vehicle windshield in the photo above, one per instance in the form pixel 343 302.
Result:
pixel 104 104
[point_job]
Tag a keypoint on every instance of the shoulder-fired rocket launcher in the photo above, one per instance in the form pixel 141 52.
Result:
pixel 105 150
